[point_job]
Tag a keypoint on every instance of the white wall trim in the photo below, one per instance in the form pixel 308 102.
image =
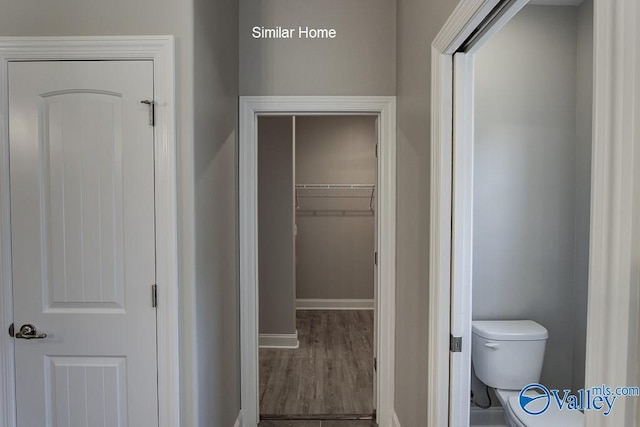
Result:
pixel 250 108
pixel 463 21
pixel 160 49
pixel 238 422
pixel 613 309
pixel 440 239
pixel 278 340
pixel 334 304
pixel 395 422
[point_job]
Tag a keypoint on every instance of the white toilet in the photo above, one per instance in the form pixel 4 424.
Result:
pixel 507 355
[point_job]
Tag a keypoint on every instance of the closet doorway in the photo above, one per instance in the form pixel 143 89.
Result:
pixel 316 266
pixel 317 203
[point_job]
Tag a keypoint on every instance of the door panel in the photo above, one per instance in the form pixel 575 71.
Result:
pixel 83 205
pixel 86 391
pixel 83 242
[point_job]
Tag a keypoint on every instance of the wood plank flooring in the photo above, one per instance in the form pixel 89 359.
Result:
pixel 331 372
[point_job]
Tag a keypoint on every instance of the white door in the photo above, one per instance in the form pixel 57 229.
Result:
pixel 462 242
pixel 83 243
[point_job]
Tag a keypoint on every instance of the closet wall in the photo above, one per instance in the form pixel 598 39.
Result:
pixel 335 235
pixel 331 257
pixel 275 226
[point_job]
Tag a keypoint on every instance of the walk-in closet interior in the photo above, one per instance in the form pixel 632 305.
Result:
pixel 316 246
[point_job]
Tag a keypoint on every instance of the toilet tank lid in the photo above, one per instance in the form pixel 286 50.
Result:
pixel 509 330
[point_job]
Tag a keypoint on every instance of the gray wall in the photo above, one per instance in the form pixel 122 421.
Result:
pixel 418 22
pixel 583 187
pixel 207 271
pixel 359 61
pixel 275 226
pixel 334 248
pixel 215 29
pixel 525 180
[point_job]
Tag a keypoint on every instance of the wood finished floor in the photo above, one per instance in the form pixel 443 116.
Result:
pixel 331 372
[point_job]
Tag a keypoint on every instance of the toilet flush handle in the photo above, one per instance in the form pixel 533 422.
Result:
pixel 493 345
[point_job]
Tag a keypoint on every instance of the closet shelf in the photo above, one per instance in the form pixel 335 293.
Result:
pixel 335 191
pixel 336 186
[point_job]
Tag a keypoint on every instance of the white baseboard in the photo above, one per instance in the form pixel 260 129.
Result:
pixel 492 417
pixel 278 340
pixel 238 422
pixel 395 422
pixel 334 304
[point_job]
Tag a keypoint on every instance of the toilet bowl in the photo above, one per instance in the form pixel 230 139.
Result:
pixel 508 356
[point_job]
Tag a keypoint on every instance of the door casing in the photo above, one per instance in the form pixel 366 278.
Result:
pixel 159 49
pixel 250 109
pixel 613 307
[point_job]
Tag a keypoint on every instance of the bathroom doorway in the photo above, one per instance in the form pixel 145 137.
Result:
pixel 316 252
pixel 453 209
pixel 532 98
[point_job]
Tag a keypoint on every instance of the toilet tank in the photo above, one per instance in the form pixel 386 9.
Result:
pixel 508 354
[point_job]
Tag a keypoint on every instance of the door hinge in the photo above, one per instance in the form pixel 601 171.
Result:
pixel 11 331
pixel 375 363
pixel 376 151
pixel 455 344
pixel 152 110
pixel 375 258
pixel 154 295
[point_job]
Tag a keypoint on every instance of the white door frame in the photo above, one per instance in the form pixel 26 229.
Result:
pixel 615 231
pixel 250 109
pixel 159 49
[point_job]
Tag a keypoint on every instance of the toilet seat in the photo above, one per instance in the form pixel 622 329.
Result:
pixel 553 416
